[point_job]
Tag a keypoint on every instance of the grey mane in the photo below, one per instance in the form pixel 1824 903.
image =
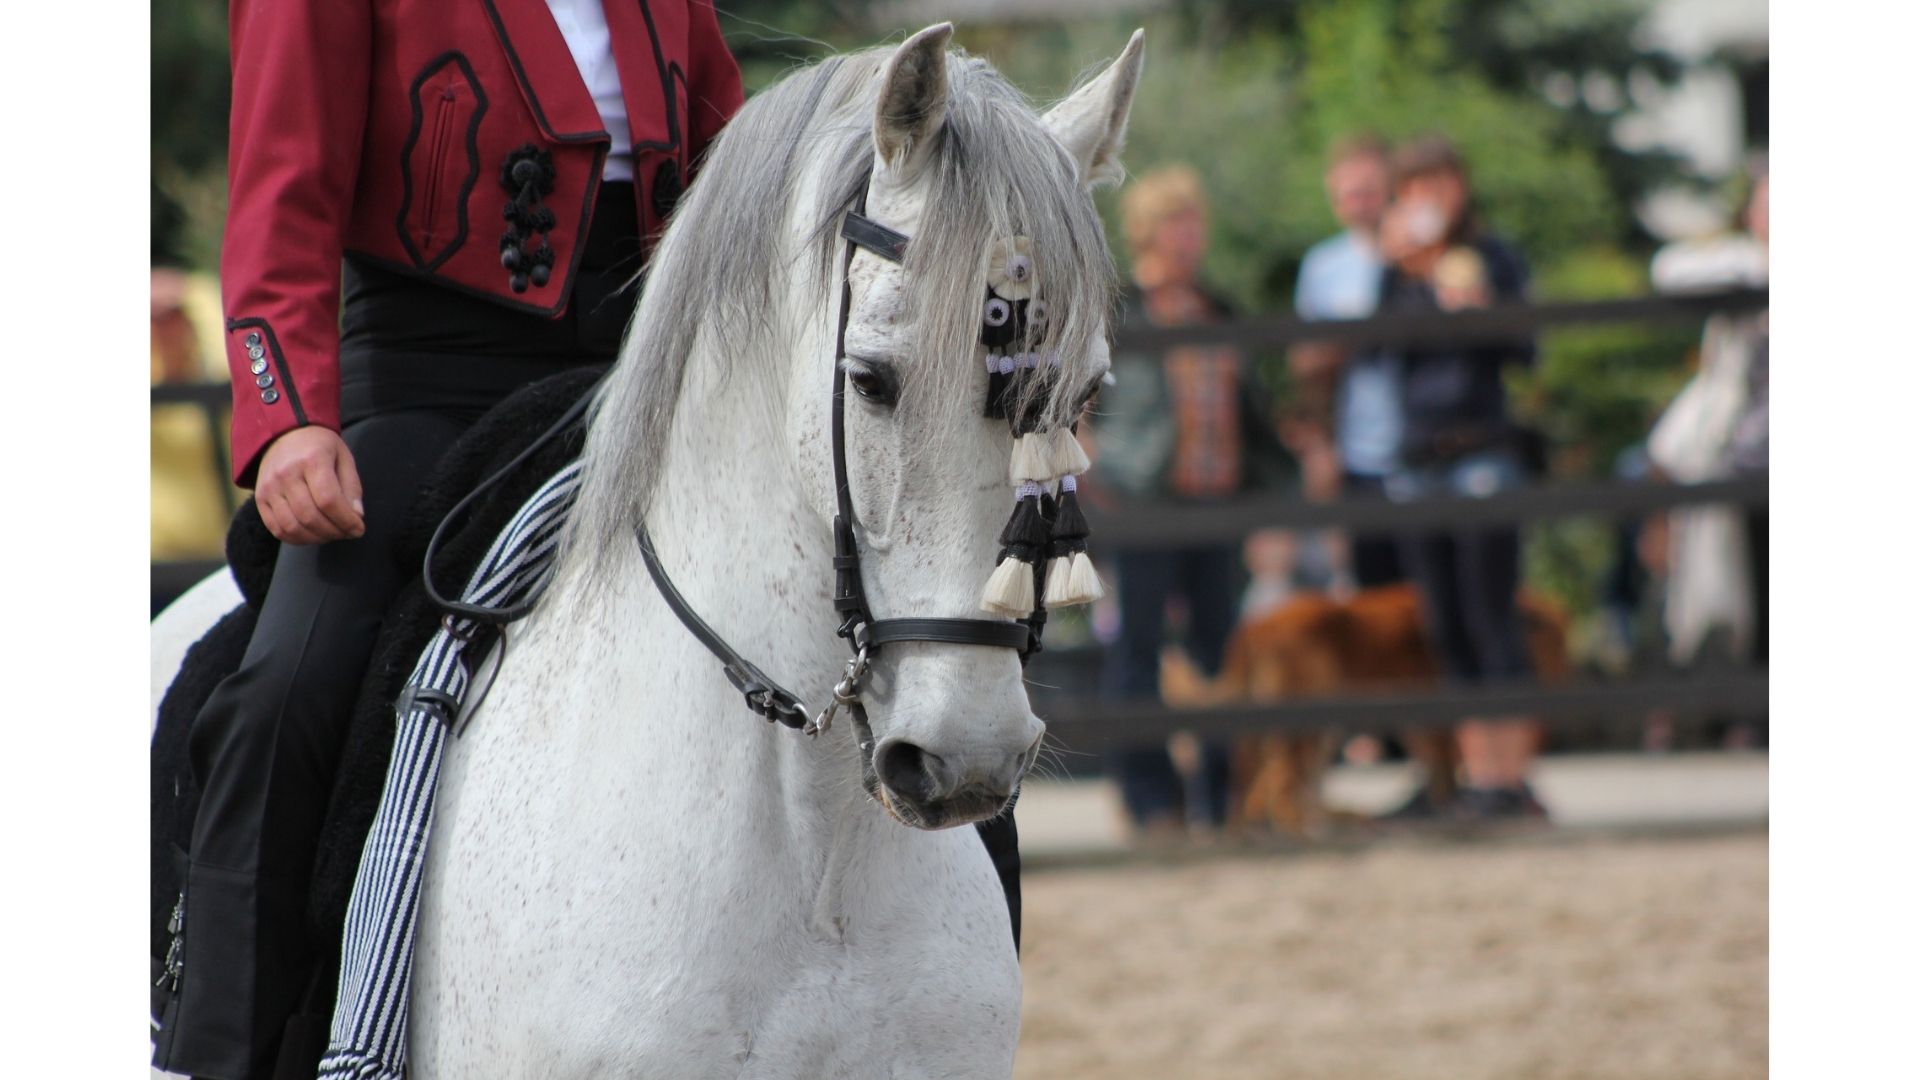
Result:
pixel 722 269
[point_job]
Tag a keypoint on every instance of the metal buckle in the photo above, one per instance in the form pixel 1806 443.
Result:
pixel 845 692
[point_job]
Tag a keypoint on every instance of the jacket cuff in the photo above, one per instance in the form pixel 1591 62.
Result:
pixel 266 398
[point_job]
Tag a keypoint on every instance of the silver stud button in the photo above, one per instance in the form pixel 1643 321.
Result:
pixel 269 396
pixel 263 381
pixel 258 367
pixel 256 352
pixel 253 340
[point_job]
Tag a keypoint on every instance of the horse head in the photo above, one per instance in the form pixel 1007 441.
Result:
pixel 965 170
pixel 995 203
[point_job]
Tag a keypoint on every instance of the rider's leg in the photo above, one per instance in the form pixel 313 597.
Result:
pixel 264 750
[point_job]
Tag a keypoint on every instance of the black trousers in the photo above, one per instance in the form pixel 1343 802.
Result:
pixel 1374 557
pixel 419 364
pixel 1469 580
pixel 265 749
pixel 1207 578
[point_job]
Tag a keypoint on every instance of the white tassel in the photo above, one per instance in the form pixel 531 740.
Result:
pixel 1029 463
pixel 1082 583
pixel 1010 589
pixel 1064 454
pixel 1057 591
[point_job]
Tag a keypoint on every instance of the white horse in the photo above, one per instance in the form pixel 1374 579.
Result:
pixel 630 874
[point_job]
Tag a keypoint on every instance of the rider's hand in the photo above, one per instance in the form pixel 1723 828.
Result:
pixel 308 490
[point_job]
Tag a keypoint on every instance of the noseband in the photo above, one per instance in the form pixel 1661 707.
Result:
pixel 864 633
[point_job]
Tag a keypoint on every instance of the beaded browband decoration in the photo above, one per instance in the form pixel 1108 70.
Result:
pixel 1043 549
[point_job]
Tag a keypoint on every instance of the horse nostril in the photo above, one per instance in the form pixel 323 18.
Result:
pixel 907 770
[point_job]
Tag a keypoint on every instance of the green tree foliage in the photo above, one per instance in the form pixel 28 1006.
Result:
pixel 1587 56
pixel 190 98
pixel 1255 113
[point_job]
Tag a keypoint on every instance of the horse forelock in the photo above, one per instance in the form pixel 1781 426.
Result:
pixel 727 269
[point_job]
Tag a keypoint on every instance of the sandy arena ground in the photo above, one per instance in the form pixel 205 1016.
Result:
pixel 1549 958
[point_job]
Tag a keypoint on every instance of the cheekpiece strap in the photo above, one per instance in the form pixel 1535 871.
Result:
pixel 873 236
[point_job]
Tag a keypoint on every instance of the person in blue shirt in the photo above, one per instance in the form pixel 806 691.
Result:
pixel 1340 279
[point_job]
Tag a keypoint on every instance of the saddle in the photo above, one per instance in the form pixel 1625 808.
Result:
pixel 490 445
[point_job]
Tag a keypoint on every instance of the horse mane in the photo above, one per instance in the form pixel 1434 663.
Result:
pixel 722 272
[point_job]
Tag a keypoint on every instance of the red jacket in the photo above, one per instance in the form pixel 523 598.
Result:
pixel 390 128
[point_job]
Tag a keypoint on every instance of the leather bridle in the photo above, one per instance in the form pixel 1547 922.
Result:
pixel 864 633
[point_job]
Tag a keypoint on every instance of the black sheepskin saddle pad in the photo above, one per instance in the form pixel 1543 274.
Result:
pixel 499 437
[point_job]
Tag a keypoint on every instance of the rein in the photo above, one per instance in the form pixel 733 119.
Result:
pixel 864 633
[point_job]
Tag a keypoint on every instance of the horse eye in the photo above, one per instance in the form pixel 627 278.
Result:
pixel 871 385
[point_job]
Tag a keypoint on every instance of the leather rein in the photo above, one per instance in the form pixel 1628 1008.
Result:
pixel 864 633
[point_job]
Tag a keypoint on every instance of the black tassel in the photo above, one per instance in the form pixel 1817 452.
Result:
pixel 1027 528
pixel 996 388
pixel 1014 588
pixel 1070 577
pixel 1070 530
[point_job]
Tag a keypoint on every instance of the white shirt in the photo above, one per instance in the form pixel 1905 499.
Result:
pixel 584 24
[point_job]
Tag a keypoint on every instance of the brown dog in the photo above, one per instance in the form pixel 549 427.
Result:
pixel 1316 645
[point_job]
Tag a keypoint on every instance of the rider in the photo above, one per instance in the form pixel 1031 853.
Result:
pixel 492 177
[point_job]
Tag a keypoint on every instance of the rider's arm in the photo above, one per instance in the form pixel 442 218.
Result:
pixel 300 74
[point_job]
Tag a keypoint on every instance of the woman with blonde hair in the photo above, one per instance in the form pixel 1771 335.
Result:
pixel 1176 427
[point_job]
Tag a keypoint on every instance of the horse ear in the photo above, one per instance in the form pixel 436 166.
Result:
pixel 1092 123
pixel 913 98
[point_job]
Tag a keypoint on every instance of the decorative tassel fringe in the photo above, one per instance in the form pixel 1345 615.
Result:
pixel 1085 581
pixel 1079 585
pixel 1031 460
pixel 1069 524
pixel 1043 532
pixel 1070 575
pixel 1010 589
pixel 997 382
pixel 1058 568
pixel 1064 454
pixel 1027 528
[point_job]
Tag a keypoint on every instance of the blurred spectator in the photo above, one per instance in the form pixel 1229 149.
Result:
pixel 1717 428
pixel 1458 439
pixel 1180 427
pixel 1340 279
pixel 1283 563
pixel 189 493
pixel 1626 592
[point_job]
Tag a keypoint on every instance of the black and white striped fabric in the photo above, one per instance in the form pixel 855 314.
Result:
pixel 369 1036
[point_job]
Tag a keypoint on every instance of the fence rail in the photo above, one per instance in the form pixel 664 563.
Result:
pixel 1090 724
pixel 1086 722
pixel 1499 322
pixel 1146 524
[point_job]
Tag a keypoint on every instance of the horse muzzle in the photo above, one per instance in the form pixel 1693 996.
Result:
pixel 929 790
